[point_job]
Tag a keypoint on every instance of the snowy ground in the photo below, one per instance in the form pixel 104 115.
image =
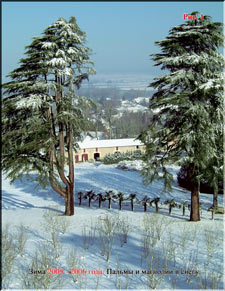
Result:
pixel 189 255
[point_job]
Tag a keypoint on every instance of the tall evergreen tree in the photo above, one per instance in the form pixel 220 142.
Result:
pixel 189 104
pixel 42 119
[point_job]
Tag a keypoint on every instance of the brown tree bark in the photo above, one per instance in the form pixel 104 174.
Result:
pixel 215 197
pixel 109 203
pixel 132 205
pixel 69 202
pixel 195 204
pixel 70 189
pixel 156 207
pixel 120 204
pixel 195 186
pixel 183 210
pixel 170 209
pixel 145 207
pixel 99 201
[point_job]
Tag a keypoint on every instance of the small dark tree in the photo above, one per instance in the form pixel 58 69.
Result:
pixel 144 202
pixel 90 195
pixel 184 204
pixel 212 210
pixel 80 195
pixel 171 204
pixel 120 197
pixel 156 202
pixel 108 196
pixel 100 198
pixel 132 197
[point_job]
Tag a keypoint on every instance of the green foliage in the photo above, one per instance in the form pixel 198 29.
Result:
pixel 42 115
pixel 205 186
pixel 118 157
pixel 188 102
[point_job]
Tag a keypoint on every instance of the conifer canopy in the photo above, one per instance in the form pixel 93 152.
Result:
pixel 188 101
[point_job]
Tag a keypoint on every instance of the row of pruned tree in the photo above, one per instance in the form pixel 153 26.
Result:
pixel 120 197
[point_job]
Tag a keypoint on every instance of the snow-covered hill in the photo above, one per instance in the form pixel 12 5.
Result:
pixel 188 255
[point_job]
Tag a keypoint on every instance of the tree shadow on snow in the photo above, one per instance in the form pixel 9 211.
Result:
pixel 30 186
pixel 11 201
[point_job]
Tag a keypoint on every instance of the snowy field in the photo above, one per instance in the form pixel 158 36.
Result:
pixel 108 248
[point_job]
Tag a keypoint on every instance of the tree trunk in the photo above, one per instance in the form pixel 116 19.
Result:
pixel 145 207
pixel 70 193
pixel 69 201
pixel 195 186
pixel 89 202
pixel 109 203
pixel 195 204
pixel 99 202
pixel 70 190
pixel 183 210
pixel 80 198
pixel 132 205
pixel 215 197
pixel 120 204
pixel 156 207
pixel 170 209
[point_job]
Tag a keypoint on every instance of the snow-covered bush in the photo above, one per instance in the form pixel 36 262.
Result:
pixel 118 157
pixel 135 165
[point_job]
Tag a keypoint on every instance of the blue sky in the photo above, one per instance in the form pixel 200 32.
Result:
pixel 121 34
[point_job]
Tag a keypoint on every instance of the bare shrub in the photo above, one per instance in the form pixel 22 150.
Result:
pixel 145 247
pixel 88 236
pixel 107 228
pixel 185 235
pixel 153 278
pixel 156 224
pixel 52 226
pixel 209 279
pixel 150 230
pixel 41 262
pixel 169 250
pixel 118 281
pixel 9 254
pixel 191 263
pixel 21 239
pixel 73 261
pixel 123 230
pixel 209 240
